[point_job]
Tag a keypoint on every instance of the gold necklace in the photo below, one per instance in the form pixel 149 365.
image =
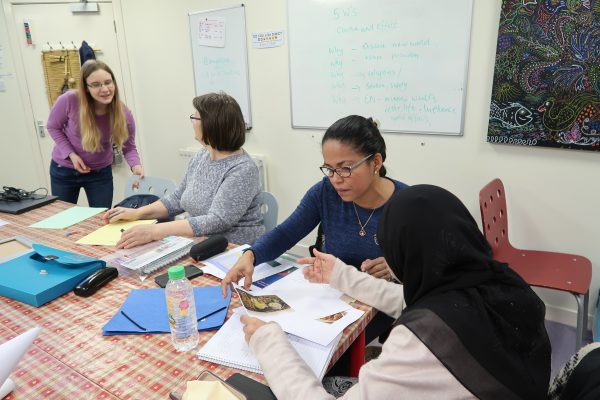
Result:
pixel 362 231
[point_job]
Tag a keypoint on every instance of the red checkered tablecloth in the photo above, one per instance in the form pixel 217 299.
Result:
pixel 72 360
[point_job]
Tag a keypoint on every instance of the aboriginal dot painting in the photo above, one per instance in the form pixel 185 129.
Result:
pixel 546 89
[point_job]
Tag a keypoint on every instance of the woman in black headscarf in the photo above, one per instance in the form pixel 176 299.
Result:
pixel 472 328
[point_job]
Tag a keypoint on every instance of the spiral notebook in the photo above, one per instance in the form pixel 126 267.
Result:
pixel 228 347
pixel 151 256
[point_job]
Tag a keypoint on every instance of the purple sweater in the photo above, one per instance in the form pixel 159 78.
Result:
pixel 63 125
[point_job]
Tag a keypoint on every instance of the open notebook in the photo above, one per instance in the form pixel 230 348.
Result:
pixel 228 347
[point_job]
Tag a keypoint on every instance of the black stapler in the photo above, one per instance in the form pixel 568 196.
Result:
pixel 95 281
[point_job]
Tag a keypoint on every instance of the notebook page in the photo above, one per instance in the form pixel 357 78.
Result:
pixel 228 347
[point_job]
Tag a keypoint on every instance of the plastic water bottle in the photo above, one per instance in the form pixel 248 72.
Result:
pixel 182 310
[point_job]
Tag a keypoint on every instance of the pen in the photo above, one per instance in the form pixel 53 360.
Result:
pixel 132 321
pixel 210 314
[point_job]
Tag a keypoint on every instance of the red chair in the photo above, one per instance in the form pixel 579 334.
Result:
pixel 561 271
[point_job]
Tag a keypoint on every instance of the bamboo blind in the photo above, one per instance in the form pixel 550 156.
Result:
pixel 61 70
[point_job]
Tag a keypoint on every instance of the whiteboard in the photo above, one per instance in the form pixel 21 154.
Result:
pixel 219 53
pixel 403 62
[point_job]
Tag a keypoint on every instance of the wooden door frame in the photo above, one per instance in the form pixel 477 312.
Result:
pixel 14 46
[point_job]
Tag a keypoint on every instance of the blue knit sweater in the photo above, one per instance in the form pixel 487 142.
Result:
pixel 322 204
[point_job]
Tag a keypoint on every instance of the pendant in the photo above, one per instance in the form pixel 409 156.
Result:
pixel 362 232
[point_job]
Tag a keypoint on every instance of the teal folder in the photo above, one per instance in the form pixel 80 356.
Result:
pixel 44 274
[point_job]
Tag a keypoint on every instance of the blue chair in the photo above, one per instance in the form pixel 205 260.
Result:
pixel 149 185
pixel 268 209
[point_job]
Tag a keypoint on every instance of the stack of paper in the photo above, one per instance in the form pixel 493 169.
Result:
pixel 220 264
pixel 312 311
pixel 228 347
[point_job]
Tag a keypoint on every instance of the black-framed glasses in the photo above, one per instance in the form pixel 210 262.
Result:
pixel 193 117
pixel 343 172
pixel 97 85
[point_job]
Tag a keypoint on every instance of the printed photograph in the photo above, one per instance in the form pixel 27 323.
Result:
pixel 262 304
pixel 330 319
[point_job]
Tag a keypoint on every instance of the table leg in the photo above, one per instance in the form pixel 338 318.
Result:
pixel 357 354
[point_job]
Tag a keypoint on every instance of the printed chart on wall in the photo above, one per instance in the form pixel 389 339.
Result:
pixel 219 54
pixel 403 62
pixel 546 89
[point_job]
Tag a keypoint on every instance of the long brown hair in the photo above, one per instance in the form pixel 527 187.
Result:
pixel 90 135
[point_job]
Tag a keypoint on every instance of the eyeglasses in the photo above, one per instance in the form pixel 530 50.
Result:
pixel 193 117
pixel 97 85
pixel 343 172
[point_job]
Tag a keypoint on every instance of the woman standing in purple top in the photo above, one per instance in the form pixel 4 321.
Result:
pixel 85 124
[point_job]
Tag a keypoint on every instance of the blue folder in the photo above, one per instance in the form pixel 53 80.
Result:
pixel 146 311
pixel 44 274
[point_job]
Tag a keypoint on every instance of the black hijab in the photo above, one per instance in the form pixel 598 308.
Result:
pixel 478 317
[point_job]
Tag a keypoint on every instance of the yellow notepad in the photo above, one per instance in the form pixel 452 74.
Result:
pixel 109 235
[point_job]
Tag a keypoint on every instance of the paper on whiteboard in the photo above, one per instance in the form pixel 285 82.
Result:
pixel 212 32
pixel 263 40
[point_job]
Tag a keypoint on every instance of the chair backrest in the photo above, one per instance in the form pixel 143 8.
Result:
pixel 494 218
pixel 268 209
pixel 149 185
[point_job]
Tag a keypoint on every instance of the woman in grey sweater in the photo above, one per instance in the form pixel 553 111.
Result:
pixel 219 189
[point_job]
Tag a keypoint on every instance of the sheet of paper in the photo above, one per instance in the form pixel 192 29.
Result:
pixel 12 351
pixel 206 390
pixel 212 32
pixel 312 311
pixel 109 234
pixel 263 40
pixel 67 217
pixel 315 330
pixel 220 264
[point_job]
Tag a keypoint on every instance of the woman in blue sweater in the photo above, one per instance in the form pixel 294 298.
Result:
pixel 347 203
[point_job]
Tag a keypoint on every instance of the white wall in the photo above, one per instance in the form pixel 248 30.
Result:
pixel 553 194
pixel 17 129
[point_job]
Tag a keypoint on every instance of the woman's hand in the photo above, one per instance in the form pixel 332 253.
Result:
pixel 120 214
pixel 78 164
pixel 139 171
pixel 321 268
pixel 251 324
pixel 138 235
pixel 244 267
pixel 377 268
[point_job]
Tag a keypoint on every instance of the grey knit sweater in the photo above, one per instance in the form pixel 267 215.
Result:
pixel 220 197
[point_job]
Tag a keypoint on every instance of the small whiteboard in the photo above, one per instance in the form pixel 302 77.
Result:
pixel 219 54
pixel 403 62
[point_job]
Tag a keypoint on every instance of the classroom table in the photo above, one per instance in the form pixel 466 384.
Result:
pixel 71 359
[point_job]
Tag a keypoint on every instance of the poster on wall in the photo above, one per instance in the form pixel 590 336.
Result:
pixel 546 89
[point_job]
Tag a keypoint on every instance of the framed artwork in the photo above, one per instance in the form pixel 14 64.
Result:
pixel 546 89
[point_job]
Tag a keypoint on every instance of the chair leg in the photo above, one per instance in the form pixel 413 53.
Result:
pixel 581 317
pixel 586 304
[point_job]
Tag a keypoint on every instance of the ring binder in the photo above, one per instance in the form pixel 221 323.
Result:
pixel 228 347
pixel 152 256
